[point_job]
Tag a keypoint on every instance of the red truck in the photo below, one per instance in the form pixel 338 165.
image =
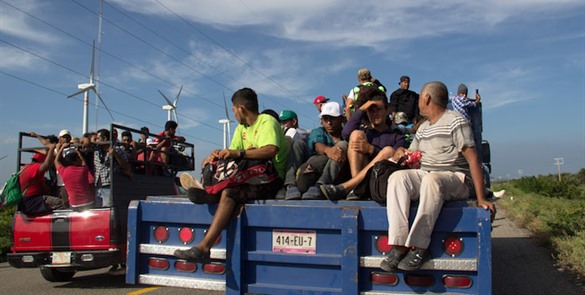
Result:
pixel 66 241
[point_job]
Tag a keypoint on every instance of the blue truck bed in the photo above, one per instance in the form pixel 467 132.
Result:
pixel 304 247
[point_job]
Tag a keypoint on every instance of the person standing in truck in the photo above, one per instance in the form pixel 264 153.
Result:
pixel 451 172
pixel 257 137
pixel 76 176
pixel 102 159
pixel 35 197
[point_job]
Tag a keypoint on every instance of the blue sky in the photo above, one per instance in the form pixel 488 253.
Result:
pixel 527 57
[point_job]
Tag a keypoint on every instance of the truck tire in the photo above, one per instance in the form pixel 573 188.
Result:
pixel 56 275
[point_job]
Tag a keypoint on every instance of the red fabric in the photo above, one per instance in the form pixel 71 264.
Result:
pixel 32 180
pixel 160 136
pixel 78 183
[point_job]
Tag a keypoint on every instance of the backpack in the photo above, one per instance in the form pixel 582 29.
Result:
pixel 221 174
pixel 11 194
pixel 376 181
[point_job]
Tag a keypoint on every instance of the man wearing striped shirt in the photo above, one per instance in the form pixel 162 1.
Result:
pixel 450 170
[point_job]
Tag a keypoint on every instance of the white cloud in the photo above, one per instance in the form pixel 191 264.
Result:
pixel 17 24
pixel 16 59
pixel 348 23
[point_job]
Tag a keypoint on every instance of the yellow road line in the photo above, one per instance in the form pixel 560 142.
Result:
pixel 145 290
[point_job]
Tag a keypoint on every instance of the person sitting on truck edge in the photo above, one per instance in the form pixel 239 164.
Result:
pixel 405 100
pixel 36 198
pixel 450 173
pixel 76 176
pixel 258 136
pixel 368 132
pixel 102 157
pixel 298 152
pixel 329 160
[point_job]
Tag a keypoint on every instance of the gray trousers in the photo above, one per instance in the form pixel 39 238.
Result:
pixel 298 153
pixel 431 189
pixel 319 169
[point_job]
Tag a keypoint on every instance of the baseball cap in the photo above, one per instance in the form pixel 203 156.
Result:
pixel 404 78
pixel 150 141
pixel 64 132
pixel 320 99
pixel 287 115
pixel 39 157
pixel 332 109
pixel 400 117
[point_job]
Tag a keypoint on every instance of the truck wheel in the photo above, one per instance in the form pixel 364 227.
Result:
pixel 56 275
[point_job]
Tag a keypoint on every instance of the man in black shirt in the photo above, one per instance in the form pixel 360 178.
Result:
pixel 404 100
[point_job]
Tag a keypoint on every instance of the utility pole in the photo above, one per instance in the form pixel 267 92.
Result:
pixel 559 162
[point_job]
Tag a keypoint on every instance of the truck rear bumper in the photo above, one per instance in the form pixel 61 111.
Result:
pixel 80 260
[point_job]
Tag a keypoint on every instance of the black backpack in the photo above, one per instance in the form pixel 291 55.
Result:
pixel 376 181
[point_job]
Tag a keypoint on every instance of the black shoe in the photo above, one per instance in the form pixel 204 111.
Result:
pixel 390 262
pixel 199 196
pixel 192 254
pixel 414 259
pixel 333 192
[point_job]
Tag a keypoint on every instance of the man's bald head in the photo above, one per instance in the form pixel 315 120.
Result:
pixel 438 92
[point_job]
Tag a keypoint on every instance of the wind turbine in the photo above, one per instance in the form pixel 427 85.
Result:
pixel 85 88
pixel 226 123
pixel 171 107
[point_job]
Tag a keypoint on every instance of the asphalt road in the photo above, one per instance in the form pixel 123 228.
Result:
pixel 520 266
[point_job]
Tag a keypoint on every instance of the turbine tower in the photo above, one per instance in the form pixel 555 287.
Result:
pixel 226 125
pixel 85 88
pixel 171 107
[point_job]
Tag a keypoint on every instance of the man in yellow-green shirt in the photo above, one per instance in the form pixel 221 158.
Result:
pixel 258 137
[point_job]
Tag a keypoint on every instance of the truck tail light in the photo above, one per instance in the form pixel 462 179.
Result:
pixel 419 280
pixel 382 244
pixel 214 268
pixel 161 233
pixel 158 263
pixel 453 246
pixel 185 266
pixel 463 282
pixel 186 235
pixel 384 278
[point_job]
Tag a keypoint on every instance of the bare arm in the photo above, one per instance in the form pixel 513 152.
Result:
pixel 264 153
pixel 470 155
pixel 46 165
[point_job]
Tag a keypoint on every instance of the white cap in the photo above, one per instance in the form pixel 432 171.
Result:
pixel 332 109
pixel 150 141
pixel 64 132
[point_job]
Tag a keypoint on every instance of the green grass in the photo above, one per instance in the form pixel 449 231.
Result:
pixel 554 212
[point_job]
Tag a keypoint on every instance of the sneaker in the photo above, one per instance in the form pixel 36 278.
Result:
pixel 192 254
pixel 499 194
pixel 292 193
pixel 117 270
pixel 314 193
pixel 414 259
pixel 200 196
pixel 188 181
pixel 333 192
pixel 352 197
pixel 390 262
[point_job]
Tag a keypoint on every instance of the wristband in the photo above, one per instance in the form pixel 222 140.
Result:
pixel 242 154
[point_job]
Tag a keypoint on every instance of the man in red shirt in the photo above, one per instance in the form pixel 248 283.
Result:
pixel 76 177
pixel 36 198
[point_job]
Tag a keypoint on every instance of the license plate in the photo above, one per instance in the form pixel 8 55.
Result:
pixel 294 241
pixel 61 258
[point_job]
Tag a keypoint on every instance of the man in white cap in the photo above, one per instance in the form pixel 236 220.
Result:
pixel 329 156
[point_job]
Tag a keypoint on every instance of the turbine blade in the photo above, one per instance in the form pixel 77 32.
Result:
pixel 92 63
pixel 227 115
pixel 177 98
pixel 168 101
pixel 103 102
pixel 76 93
